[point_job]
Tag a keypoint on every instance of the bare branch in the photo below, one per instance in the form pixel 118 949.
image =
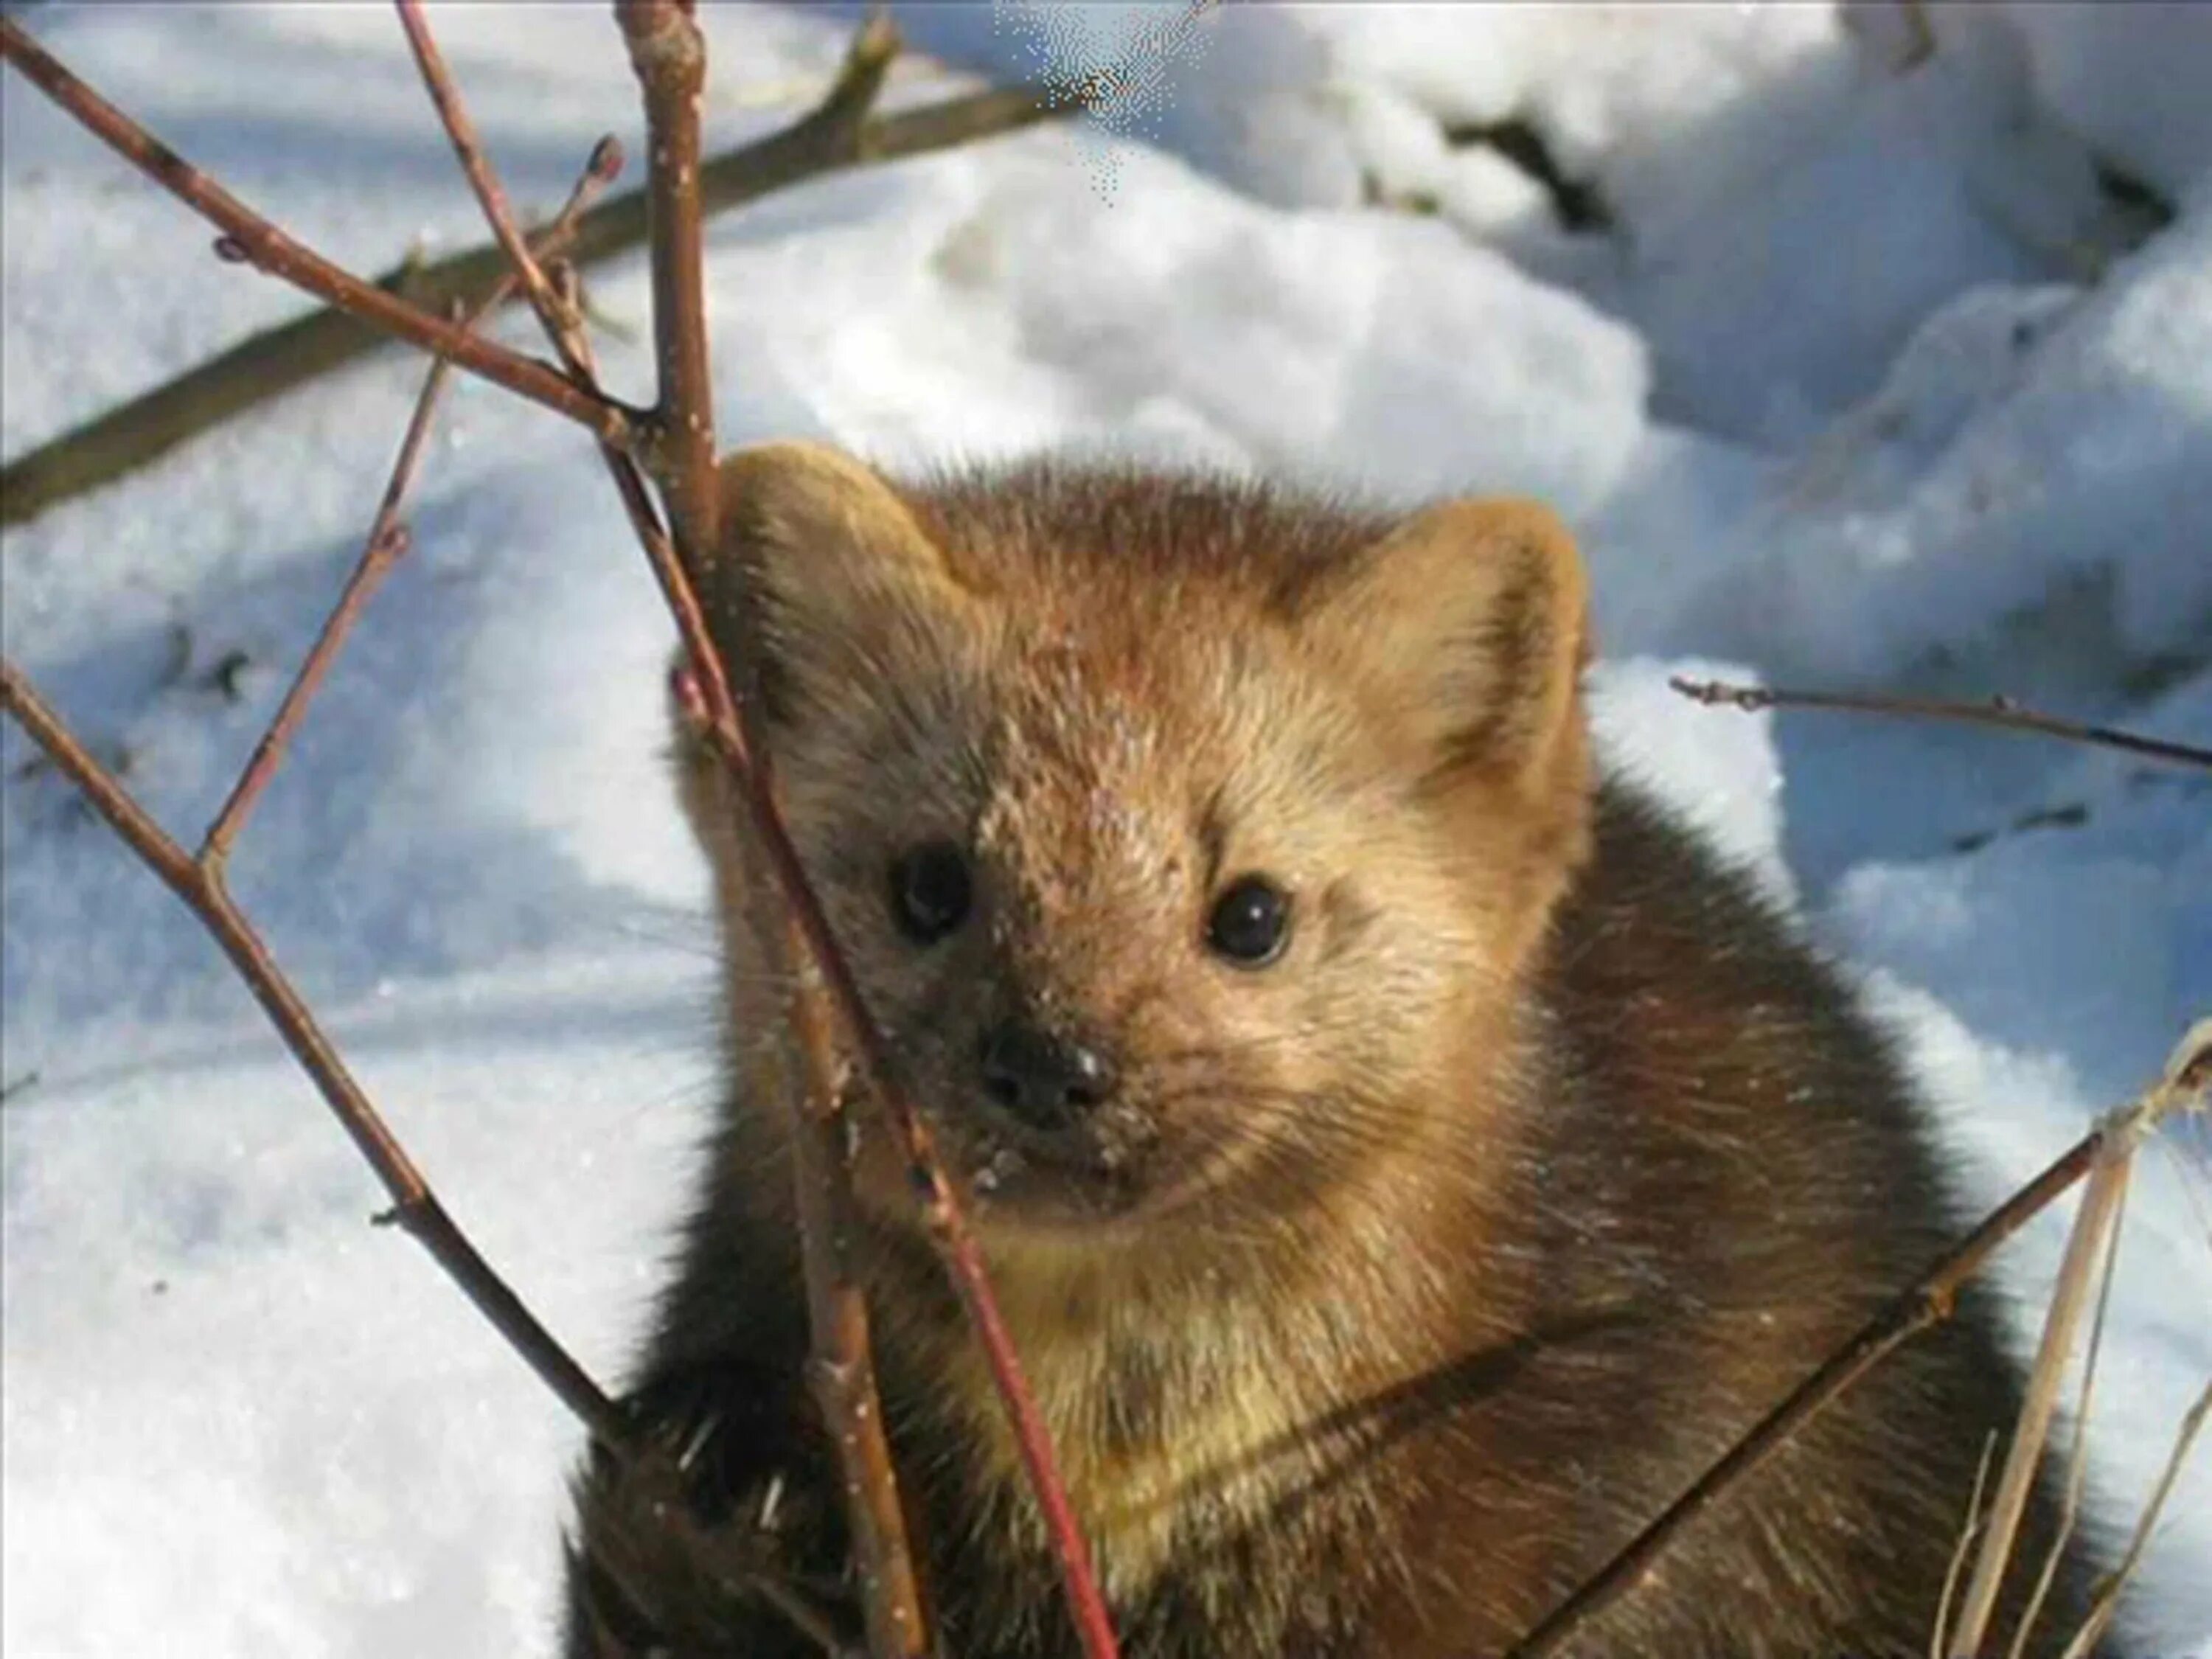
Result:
pixel 670 58
pixel 489 195
pixel 415 1207
pixel 2000 711
pixel 948 1227
pixel 270 249
pixel 199 882
pixel 843 1371
pixel 839 134
pixel 842 1365
pixel 386 543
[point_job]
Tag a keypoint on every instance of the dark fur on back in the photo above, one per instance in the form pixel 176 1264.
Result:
pixel 1411 1373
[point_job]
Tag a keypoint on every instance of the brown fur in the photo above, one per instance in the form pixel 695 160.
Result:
pixel 1393 1286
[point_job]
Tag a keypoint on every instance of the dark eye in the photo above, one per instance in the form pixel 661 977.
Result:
pixel 1250 921
pixel 930 890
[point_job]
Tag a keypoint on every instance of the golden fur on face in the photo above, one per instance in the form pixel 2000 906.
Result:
pixel 1388 733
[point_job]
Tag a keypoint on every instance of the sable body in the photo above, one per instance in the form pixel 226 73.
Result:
pixel 1376 1290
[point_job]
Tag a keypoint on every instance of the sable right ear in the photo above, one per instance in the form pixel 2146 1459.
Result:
pixel 835 563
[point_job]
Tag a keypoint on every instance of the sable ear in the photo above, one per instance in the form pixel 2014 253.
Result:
pixel 836 564
pixel 1469 623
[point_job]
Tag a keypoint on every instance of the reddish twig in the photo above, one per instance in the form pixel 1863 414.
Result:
pixel 200 885
pixel 669 59
pixel 387 541
pixel 841 133
pixel 841 1370
pixel 669 56
pixel 842 1373
pixel 387 537
pixel 948 1227
pixel 455 114
pixel 2000 711
pixel 200 881
pixel 247 234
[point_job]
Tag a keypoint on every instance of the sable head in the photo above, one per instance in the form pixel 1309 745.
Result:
pixel 1188 841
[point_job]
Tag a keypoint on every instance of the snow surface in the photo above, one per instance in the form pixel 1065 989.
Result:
pixel 1870 382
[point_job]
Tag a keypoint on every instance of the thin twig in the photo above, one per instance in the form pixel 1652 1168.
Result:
pixel 669 58
pixel 2002 713
pixel 278 359
pixel 415 1207
pixel 199 882
pixel 842 1371
pixel 387 541
pixel 388 538
pixel 685 441
pixel 269 249
pixel 455 114
pixel 1928 1302
pixel 840 1366
pixel 948 1228
pixel 668 54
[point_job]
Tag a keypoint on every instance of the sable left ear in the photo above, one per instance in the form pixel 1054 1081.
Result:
pixel 1469 622
pixel 837 567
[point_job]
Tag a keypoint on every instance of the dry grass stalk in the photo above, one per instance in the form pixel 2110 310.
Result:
pixel 2077 1456
pixel 2184 1085
pixel 2085 1247
pixel 1968 1529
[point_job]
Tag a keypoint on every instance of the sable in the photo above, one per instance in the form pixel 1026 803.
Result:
pixel 1405 1159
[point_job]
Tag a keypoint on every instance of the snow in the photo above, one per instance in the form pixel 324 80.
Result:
pixel 1870 382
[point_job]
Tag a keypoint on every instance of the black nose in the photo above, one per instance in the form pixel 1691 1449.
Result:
pixel 1043 1079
